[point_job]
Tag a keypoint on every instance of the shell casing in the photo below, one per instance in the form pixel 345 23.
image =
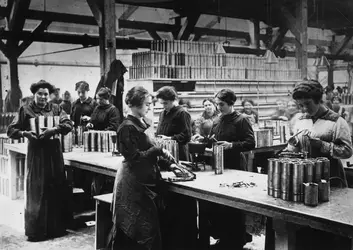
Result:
pixel 56 123
pixel 277 179
pixel 298 180
pixel 311 194
pixel 286 169
pixel 50 123
pixel 41 124
pixel 324 191
pixel 93 141
pixel 270 175
pixel 318 170
pixel 99 142
pixel 308 171
pixel 325 175
pixel 32 122
pixel 218 163
pixel 86 142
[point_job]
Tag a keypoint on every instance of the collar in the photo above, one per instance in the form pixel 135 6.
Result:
pixel 87 101
pixel 37 109
pixel 143 125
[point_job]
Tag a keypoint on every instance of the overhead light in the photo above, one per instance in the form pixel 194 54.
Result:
pixel 271 58
pixel 220 49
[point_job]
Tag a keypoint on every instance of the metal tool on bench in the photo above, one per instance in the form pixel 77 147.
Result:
pixel 181 172
pixel 197 152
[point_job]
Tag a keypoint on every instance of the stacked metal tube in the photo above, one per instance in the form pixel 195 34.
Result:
pixel 218 159
pixel 98 141
pixel 286 177
pixel 171 145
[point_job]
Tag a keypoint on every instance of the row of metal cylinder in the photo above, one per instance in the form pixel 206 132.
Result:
pixel 99 141
pixel 171 145
pixel 299 180
pixel 347 98
pixel 40 123
pixel 218 158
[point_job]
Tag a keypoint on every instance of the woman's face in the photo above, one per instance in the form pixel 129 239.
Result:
pixel 167 104
pixel 144 109
pixel 209 107
pixel 307 105
pixel 223 107
pixel 41 97
pixel 248 107
pixel 82 94
pixel 101 100
pixel 292 107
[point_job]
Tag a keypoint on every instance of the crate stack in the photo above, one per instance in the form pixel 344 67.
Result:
pixel 199 60
pixel 5 168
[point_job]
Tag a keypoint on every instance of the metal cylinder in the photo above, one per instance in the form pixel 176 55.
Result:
pixel 270 175
pixel 93 141
pixel 286 180
pixel 325 174
pixel 56 123
pixel 263 137
pixel 99 141
pixel 308 171
pixel 324 191
pixel 277 179
pixel 32 122
pixel 298 179
pixel 41 124
pixel 50 122
pixel 218 162
pixel 86 143
pixel 311 194
pixel 318 170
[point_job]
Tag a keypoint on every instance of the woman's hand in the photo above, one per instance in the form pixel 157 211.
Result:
pixel 293 141
pixel 89 125
pixel 48 133
pixel 29 135
pixel 163 137
pixel 226 145
pixel 197 137
pixel 283 118
pixel 85 118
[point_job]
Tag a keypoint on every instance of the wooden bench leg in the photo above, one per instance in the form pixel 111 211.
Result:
pixel 103 224
pixel 204 231
pixel 285 235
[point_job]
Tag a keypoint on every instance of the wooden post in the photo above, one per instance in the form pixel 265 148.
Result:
pixel 256 35
pixel 330 74
pixel 14 81
pixel 304 37
pixel 107 42
pixel 1 98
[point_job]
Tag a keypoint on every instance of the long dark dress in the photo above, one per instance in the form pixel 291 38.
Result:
pixel 105 117
pixel 134 205
pixel 46 211
pixel 177 124
pixel 228 224
pixel 80 109
pixel 67 106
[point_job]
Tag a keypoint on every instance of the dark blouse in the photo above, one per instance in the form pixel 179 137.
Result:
pixel 177 124
pixel 21 123
pixel 237 129
pixel 67 106
pixel 105 117
pixel 80 109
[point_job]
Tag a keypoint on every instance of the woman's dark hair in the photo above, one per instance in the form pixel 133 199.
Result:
pixel 185 102
pixel 42 84
pixel 308 89
pixel 211 100
pixel 167 93
pixel 81 86
pixel 104 93
pixel 247 100
pixel 136 96
pixel 337 98
pixel 227 96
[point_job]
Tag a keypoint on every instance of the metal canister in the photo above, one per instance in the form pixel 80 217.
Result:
pixel 93 141
pixel 286 179
pixel 270 169
pixel 79 134
pixel 308 171
pixel 324 191
pixel 325 168
pixel 298 180
pixel 318 170
pixel 56 123
pixel 105 142
pixel 311 194
pixel 218 162
pixel 50 123
pixel 32 122
pixel 41 124
pixel 277 179
pixel 99 141
pixel 263 137
pixel 86 142
pixel 67 142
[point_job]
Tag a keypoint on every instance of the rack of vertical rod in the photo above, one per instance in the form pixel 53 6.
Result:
pixel 290 178
pixel 171 145
pixel 98 141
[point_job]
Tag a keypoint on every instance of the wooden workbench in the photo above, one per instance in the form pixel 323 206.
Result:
pixel 335 216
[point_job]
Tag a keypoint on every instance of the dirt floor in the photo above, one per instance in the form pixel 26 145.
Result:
pixel 12 233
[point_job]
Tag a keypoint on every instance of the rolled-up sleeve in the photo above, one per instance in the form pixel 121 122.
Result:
pixel 65 124
pixel 341 146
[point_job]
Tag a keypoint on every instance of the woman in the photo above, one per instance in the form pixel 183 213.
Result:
pixel 281 112
pixel 105 116
pixel 174 121
pixel 83 107
pixel 336 107
pixel 233 131
pixel 135 199
pixel 248 111
pixel 66 103
pixel 293 115
pixel 46 213
pixel 328 135
pixel 205 121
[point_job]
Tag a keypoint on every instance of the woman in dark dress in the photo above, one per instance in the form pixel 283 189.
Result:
pixel 47 191
pixel 83 107
pixel 234 132
pixel 105 116
pixel 135 199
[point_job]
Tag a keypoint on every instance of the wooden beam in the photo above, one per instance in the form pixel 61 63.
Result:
pixel 291 23
pixel 17 15
pixel 128 12
pixel 188 27
pixel 38 30
pixel 256 34
pixel 96 9
pixel 3 48
pixel 304 37
pixel 342 44
pixel 278 39
pixel 154 35
pixel 209 25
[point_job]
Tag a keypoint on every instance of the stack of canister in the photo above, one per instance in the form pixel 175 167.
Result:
pixel 287 179
pixel 347 98
pixel 283 130
pixel 40 123
pixel 171 145
pixel 67 142
pixel 218 158
pixel 98 141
